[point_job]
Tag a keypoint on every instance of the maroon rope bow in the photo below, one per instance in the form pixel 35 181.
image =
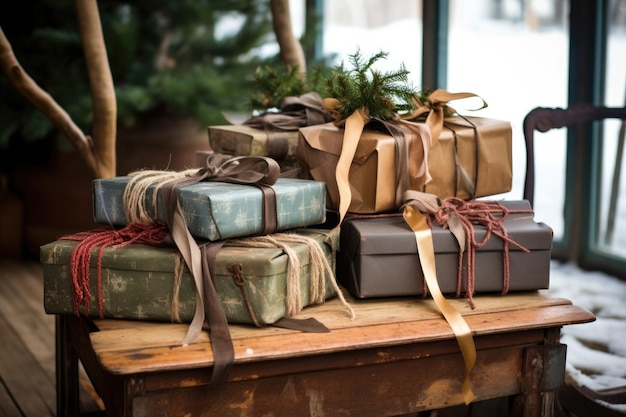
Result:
pixel 460 217
pixel 80 260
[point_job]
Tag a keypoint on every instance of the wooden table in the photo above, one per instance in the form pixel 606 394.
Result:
pixel 398 356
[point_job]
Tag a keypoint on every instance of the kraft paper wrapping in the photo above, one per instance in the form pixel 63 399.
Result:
pixel 372 174
pixel 473 158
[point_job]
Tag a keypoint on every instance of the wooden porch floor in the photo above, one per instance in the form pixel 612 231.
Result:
pixel 27 347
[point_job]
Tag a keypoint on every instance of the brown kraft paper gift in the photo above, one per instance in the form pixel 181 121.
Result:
pixel 473 158
pixel 470 150
pixel 372 174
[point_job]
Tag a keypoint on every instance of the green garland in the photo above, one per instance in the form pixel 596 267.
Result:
pixel 383 94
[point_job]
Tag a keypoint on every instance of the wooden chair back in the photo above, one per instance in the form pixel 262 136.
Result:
pixel 543 119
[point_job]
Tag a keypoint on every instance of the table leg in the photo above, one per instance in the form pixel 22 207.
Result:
pixel 543 373
pixel 66 370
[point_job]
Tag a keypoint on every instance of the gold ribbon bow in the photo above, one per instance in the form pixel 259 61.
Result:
pixel 436 107
pixel 413 211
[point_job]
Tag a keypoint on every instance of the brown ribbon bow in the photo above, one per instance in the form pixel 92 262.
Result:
pixel 200 259
pixel 295 112
pixel 250 170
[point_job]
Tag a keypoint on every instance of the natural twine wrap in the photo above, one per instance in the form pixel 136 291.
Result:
pixel 321 270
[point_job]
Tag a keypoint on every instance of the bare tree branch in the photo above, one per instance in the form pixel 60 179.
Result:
pixel 99 153
pixel 28 88
pixel 102 89
pixel 291 51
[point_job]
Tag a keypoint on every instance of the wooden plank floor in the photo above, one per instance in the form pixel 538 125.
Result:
pixel 27 349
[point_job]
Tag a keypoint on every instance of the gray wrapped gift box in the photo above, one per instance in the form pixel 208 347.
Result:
pixel 378 257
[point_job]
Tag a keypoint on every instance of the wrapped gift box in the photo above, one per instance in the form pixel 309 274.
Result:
pixel 471 152
pixel 216 210
pixel 378 256
pixel 139 282
pixel 243 140
pixel 372 174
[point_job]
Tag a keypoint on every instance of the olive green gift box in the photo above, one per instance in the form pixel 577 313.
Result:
pixel 139 281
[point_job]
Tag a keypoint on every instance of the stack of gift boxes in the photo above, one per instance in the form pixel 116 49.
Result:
pixel 368 249
pixel 472 160
pixel 138 281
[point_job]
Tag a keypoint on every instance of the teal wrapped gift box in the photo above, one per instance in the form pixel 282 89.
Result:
pixel 218 210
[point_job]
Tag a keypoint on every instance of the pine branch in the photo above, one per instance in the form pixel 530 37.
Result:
pixel 383 94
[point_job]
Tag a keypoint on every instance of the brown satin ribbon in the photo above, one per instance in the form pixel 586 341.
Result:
pixel 410 151
pixel 423 237
pixel 200 260
pixel 295 112
pixel 465 181
pixel 215 321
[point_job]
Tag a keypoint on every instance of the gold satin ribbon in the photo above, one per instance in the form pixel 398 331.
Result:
pixel 423 237
pixel 436 107
pixel 354 125
pixel 410 172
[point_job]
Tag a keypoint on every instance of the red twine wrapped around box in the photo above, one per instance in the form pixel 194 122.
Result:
pixel 80 261
pixel 460 216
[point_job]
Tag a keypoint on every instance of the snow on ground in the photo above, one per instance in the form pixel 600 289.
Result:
pixel 596 352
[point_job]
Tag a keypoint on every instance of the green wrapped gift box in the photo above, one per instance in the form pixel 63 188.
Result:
pixel 218 210
pixel 139 281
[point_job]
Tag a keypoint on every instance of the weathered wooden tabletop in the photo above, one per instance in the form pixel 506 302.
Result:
pixel 377 323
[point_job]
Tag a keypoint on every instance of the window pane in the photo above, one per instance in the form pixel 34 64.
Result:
pixel 514 54
pixel 612 213
pixel 372 26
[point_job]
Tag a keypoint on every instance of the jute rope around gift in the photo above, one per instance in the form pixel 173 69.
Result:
pixel 179 270
pixel 135 193
pixel 321 271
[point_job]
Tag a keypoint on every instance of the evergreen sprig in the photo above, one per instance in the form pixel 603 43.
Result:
pixel 270 84
pixel 383 94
